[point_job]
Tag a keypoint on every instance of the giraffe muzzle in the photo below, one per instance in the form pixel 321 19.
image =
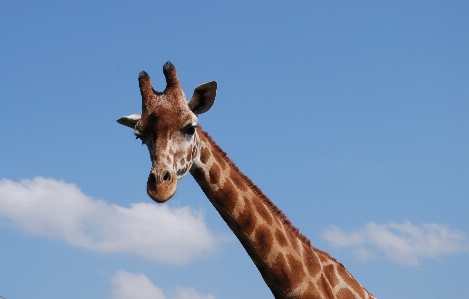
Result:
pixel 161 185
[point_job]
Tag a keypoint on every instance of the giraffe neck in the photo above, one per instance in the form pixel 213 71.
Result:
pixel 290 266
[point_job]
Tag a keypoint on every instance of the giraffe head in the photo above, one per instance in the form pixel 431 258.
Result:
pixel 167 126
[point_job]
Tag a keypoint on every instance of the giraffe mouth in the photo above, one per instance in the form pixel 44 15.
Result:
pixel 161 188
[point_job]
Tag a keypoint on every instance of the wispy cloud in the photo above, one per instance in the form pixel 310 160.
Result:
pixel 404 242
pixel 127 285
pixel 55 209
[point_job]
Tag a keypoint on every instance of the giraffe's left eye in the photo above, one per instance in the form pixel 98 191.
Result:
pixel 189 130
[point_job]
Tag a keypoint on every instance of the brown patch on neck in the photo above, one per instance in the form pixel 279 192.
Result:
pixel 204 155
pixel 214 174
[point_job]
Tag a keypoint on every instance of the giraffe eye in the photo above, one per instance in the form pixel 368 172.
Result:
pixel 189 130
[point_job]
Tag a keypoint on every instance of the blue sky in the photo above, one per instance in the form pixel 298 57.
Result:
pixel 352 117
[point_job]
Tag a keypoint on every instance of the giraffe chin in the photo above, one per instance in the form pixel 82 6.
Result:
pixel 161 193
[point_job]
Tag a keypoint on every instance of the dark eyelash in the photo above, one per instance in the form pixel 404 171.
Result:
pixel 190 129
pixel 141 138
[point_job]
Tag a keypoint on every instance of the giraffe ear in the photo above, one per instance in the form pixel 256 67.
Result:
pixel 203 97
pixel 130 120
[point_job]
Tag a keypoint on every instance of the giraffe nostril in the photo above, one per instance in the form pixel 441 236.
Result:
pixel 152 178
pixel 166 176
pixel 161 177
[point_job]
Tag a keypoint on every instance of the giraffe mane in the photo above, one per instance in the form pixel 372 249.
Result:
pixel 259 194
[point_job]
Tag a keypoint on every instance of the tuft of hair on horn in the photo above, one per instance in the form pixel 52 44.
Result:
pixel 169 72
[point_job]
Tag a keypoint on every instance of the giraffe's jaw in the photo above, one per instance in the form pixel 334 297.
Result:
pixel 162 192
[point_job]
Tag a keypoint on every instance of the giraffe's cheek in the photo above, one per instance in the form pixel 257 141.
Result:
pixel 163 190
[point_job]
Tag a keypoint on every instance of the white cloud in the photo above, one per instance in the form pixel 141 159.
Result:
pixel 402 242
pixel 55 209
pixel 127 285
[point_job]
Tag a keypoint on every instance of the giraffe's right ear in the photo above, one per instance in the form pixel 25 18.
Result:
pixel 203 97
pixel 130 120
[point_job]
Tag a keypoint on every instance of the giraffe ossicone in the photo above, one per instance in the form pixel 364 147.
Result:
pixel 288 263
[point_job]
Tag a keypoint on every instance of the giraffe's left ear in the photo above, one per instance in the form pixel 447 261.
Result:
pixel 203 97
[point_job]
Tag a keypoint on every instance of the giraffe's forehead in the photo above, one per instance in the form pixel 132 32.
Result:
pixel 166 115
pixel 170 100
pixel 174 116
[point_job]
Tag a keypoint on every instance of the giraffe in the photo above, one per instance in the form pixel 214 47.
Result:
pixel 288 263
